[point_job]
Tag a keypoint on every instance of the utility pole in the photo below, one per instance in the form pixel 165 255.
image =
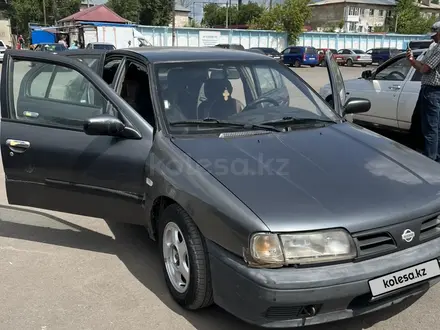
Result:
pixel 173 29
pixel 44 12
pixel 395 25
pixel 227 14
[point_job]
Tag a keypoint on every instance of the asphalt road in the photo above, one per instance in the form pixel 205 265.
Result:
pixel 62 271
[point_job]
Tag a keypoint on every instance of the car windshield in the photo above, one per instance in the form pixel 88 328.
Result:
pixel 310 50
pixel 358 51
pixel 245 92
pixel 334 51
pixel 103 46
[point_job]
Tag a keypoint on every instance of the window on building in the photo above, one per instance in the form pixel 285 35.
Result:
pixel 351 10
pixel 356 11
pixel 371 12
pixel 352 27
pixel 381 13
pixel 363 11
pixel 361 29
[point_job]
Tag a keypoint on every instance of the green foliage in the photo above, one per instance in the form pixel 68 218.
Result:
pixel 409 18
pixel 287 17
pixel 341 24
pixel 436 2
pixel 22 12
pixel 146 12
pixel 214 15
pixel 128 9
pixel 156 12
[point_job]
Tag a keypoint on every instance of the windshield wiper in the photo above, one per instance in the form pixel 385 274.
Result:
pixel 292 120
pixel 213 122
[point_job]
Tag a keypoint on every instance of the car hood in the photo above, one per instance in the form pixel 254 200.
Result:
pixel 336 176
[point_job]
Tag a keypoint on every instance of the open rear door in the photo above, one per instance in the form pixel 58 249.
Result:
pixel 94 58
pixel 336 82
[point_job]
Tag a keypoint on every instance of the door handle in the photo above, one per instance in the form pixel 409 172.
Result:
pixel 394 87
pixel 18 146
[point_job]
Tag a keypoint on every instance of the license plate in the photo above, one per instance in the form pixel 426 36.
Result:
pixel 311 58
pixel 404 278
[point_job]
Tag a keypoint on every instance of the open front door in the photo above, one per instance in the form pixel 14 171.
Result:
pixel 337 83
pixel 48 159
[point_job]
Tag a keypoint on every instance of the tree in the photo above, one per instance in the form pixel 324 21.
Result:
pixel 287 17
pixel 146 12
pixel 156 12
pixel 22 12
pixel 128 9
pixel 409 18
pixel 215 15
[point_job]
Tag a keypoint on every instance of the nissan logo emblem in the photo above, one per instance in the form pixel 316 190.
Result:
pixel 408 235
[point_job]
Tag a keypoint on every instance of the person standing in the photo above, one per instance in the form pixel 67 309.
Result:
pixel 429 95
pixel 63 41
pixel 74 45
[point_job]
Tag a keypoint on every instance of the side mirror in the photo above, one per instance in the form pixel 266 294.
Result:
pixel 366 74
pixel 104 125
pixel 356 105
pixel 110 126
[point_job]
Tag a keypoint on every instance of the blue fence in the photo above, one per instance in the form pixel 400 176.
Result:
pixel 193 37
pixel 361 41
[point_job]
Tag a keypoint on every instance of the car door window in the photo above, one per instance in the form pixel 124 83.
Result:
pixel 346 52
pixel 53 95
pixel 396 70
pixel 265 79
pixel 110 69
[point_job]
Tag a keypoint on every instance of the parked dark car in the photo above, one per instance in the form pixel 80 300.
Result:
pixel 297 56
pixel 271 52
pixel 420 44
pixel 284 214
pixel 100 45
pixel 230 46
pixel 381 55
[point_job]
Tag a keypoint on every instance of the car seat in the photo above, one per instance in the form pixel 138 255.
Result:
pixel 219 103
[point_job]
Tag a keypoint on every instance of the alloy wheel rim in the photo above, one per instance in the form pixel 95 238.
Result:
pixel 176 259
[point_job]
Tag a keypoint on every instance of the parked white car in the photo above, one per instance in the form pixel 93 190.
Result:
pixel 392 89
pixel 2 50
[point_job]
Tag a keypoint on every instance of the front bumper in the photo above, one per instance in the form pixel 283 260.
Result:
pixel 276 298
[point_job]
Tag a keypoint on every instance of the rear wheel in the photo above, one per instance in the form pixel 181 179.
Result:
pixel 312 66
pixel 185 259
pixel 349 62
pixel 297 64
pixel 364 65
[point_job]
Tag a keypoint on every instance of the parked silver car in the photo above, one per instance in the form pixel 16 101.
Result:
pixel 355 56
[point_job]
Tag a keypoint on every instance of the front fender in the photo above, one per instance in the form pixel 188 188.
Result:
pixel 220 216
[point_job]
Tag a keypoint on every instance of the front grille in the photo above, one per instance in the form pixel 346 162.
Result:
pixel 291 312
pixel 375 243
pixel 430 228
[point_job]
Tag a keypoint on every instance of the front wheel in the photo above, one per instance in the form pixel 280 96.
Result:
pixel 297 64
pixel 349 62
pixel 185 259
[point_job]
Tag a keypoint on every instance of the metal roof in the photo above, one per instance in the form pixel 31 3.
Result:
pixel 100 13
pixel 193 54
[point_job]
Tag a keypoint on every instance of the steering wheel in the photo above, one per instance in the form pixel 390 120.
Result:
pixel 398 73
pixel 259 101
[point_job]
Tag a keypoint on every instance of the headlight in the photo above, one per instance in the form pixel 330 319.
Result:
pixel 302 248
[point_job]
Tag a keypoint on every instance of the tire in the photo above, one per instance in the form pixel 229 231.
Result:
pixel 349 62
pixel 312 66
pixel 364 65
pixel 297 64
pixel 196 292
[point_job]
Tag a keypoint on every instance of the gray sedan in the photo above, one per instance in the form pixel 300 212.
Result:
pixel 355 56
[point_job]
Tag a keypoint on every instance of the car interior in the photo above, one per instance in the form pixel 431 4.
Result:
pixel 136 92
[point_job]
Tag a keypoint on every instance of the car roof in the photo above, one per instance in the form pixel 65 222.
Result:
pixel 184 54
pixel 100 43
